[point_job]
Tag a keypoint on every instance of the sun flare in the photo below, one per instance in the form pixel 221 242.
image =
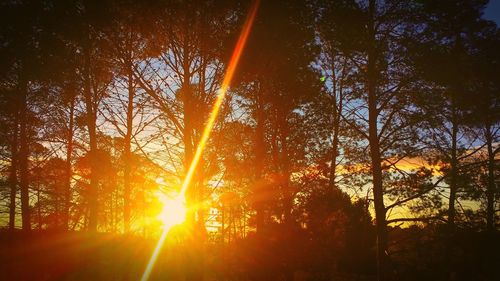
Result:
pixel 174 210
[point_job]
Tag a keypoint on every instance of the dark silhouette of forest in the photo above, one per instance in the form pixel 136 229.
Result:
pixel 357 140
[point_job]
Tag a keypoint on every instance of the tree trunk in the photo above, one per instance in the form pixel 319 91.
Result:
pixel 454 172
pixel 335 148
pixel 94 183
pixel 127 151
pixel 69 172
pixel 192 194
pixel 259 162
pixel 337 110
pixel 378 192
pixel 23 156
pixel 490 191
pixel 91 117
pixel 285 167
pixel 188 142
pixel 39 209
pixel 13 174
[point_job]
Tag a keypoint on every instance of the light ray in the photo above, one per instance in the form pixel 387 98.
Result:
pixel 220 97
pixel 233 62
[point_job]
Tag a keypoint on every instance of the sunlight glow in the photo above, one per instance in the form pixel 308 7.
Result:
pixel 174 211
pixel 160 181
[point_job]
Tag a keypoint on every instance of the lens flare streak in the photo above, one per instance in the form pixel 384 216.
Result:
pixel 204 138
pixel 220 97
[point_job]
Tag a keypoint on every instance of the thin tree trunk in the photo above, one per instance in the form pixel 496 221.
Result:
pixel 127 150
pixel 454 140
pixel 453 191
pixel 454 173
pixel 13 175
pixel 259 162
pixel 23 157
pixel 337 110
pixel 335 147
pixel 490 192
pixel 39 209
pixel 188 141
pixel 69 172
pixel 91 126
pixel 94 183
pixel 285 168
pixel 187 100
pixel 196 260
pixel 378 192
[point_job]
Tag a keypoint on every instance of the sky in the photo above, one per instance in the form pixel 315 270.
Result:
pixel 492 11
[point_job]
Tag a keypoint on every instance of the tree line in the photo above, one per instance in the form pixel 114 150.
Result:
pixel 339 111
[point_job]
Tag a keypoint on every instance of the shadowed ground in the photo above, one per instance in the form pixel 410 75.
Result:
pixel 280 255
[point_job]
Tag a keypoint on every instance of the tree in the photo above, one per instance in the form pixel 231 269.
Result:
pixel 339 228
pixel 125 37
pixel 381 109
pixel 87 22
pixel 273 91
pixel 182 74
pixel 483 111
pixel 448 31
pixel 9 132
pixel 25 49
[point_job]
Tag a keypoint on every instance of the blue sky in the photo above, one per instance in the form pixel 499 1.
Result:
pixel 492 11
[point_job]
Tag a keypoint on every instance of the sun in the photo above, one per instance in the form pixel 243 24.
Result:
pixel 174 210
